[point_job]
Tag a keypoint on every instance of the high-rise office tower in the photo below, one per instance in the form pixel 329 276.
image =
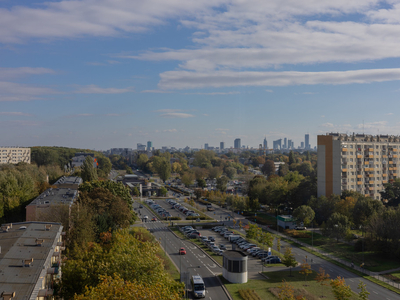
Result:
pixel 149 145
pixel 222 145
pixel 206 146
pixel 289 144
pixel 265 143
pixel 237 144
pixel 302 145
pixel 307 141
pixel 285 143
pixel 358 162
pixel 277 145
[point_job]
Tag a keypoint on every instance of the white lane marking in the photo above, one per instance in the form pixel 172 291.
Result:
pixel 375 292
pixel 351 280
pixel 213 265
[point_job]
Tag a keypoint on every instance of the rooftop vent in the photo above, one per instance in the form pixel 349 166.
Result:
pixel 47 227
pixel 7 296
pixel 5 228
pixel 28 262
pixel 39 242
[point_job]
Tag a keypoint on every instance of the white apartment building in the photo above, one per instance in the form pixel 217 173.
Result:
pixel 358 162
pixel 14 155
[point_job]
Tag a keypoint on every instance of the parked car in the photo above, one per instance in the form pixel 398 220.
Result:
pixel 211 238
pixel 222 247
pixel 269 257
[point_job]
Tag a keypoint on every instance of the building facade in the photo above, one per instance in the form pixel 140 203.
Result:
pixel 307 141
pixel 358 162
pixel 222 145
pixel 14 155
pixel 237 144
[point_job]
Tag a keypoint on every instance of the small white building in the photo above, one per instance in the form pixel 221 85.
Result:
pixel 286 221
pixel 234 267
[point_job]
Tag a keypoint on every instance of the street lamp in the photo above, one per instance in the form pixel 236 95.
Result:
pixel 187 279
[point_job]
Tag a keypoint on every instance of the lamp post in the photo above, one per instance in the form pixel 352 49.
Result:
pixel 187 279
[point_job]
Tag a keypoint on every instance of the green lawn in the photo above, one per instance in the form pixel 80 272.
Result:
pixel 261 287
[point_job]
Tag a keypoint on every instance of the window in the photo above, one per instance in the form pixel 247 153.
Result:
pixel 351 153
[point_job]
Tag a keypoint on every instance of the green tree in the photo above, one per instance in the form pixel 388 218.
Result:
pixel 214 172
pixel 292 160
pixel 221 183
pixel 135 191
pixel 164 169
pixel 230 172
pixel 268 168
pixel 283 170
pixel 289 260
pixel 142 160
pixel 104 166
pixel 337 226
pixel 363 294
pixel 187 178
pixel 391 193
pixel 278 244
pixel 304 214
pixel 88 170
pixel 201 183
pixel 340 290
pixel 163 191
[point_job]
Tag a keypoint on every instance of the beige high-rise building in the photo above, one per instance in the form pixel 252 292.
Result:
pixel 14 155
pixel 358 162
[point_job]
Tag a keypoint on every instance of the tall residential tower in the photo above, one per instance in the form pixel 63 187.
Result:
pixel 358 162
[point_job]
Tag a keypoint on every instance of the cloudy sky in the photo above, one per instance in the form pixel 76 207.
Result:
pixel 113 73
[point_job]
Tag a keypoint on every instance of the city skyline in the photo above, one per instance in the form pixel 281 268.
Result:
pixel 186 73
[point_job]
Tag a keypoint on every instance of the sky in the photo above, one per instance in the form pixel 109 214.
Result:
pixel 103 74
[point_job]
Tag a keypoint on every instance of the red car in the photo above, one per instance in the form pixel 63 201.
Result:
pixel 154 219
pixel 182 251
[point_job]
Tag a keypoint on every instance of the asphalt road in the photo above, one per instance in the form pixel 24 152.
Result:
pixel 376 291
pixel 187 263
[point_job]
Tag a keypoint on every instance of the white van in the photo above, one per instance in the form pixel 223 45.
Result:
pixel 198 287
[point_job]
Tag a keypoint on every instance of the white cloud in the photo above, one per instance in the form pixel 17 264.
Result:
pixel 214 93
pixel 156 91
pixel 168 110
pixel 7 73
pixel 269 91
pixel 14 113
pixel 176 115
pixel 189 80
pixel 10 91
pixel 389 114
pixel 329 125
pixel 221 129
pixel 94 89
pixel 169 130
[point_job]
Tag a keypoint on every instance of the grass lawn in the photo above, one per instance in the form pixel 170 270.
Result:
pixel 374 262
pixel 261 287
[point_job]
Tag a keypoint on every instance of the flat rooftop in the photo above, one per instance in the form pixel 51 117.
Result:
pixel 234 254
pixel 19 244
pixel 55 196
pixel 69 180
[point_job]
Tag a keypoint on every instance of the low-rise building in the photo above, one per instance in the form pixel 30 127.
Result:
pixel 30 259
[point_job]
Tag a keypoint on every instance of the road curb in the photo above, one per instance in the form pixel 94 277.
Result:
pixel 224 288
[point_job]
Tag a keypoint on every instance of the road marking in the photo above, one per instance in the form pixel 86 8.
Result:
pixel 351 280
pixel 375 292
pixel 213 266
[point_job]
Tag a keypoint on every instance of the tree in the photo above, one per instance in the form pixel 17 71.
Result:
pixel 321 278
pixel 201 183
pixel 142 161
pixel 278 244
pixel 304 214
pixel 187 178
pixel 230 172
pixel 289 260
pixel 292 160
pixel 305 269
pixel 104 166
pixel 164 169
pixel 340 290
pixel 268 168
pixel 163 191
pixel 364 209
pixel 391 193
pixel 88 170
pixel 135 191
pixel 286 291
pixel 363 294
pixel 214 172
pixel 221 183
pixel 337 226
pixel 283 170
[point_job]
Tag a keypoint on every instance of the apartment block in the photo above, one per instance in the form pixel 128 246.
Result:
pixel 30 260
pixel 14 155
pixel 358 162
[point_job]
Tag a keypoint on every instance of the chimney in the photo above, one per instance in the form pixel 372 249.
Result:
pixel 39 242
pixel 7 296
pixel 27 262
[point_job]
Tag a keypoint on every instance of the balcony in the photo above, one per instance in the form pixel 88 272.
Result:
pixel 344 170
pixel 370 156
pixel 384 181
pixel 384 175
pixel 366 162
pixel 371 182
pixel 359 182
pixel 359 176
pixel 344 149
pixel 359 156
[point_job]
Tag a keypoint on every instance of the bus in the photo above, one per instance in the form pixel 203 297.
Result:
pixel 198 287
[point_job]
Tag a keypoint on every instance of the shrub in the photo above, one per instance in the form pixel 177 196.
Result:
pixel 249 294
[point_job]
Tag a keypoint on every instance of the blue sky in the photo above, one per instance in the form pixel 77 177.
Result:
pixel 104 74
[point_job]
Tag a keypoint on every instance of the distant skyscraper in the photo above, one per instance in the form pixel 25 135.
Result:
pixel 149 145
pixel 265 143
pixel 222 145
pixel 302 145
pixel 206 146
pixel 237 144
pixel 285 143
pixel 289 144
pixel 277 144
pixel 307 141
